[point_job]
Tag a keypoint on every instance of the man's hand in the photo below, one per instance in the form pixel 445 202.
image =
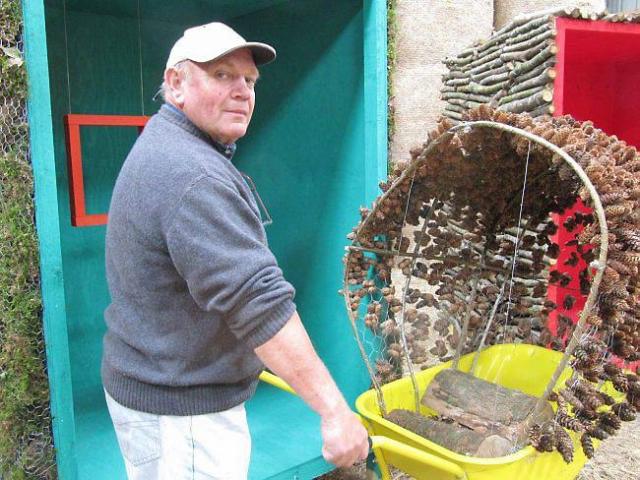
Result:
pixel 344 439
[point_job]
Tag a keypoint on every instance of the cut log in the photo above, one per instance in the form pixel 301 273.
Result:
pixel 520 28
pixel 484 407
pixel 464 103
pixel 486 57
pixel 454 74
pixel 529 103
pixel 548 52
pixel 458 61
pixel 486 66
pixel 523 56
pixel 524 94
pixel 454 108
pixel 544 109
pixel 466 96
pixel 527 43
pixel 545 77
pixel 453 115
pixel 457 81
pixel 494 78
pixel 483 89
pixel 451 435
pixel 545 27
pixel 537 70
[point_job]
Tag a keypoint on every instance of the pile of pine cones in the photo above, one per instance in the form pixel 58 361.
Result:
pixel 474 255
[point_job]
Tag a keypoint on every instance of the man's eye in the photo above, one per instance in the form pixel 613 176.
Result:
pixel 222 75
pixel 251 82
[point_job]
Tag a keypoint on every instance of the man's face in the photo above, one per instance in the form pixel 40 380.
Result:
pixel 218 96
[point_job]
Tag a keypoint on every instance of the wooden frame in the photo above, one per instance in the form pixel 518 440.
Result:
pixel 72 124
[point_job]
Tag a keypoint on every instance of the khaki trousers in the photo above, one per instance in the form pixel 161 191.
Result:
pixel 166 447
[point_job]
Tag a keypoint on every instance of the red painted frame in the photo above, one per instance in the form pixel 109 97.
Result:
pixel 608 44
pixel 72 124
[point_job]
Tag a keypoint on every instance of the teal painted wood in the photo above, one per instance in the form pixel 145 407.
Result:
pixel 375 94
pixel 315 152
pixel 306 153
pixel 48 229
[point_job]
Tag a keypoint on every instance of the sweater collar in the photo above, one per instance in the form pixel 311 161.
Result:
pixel 177 116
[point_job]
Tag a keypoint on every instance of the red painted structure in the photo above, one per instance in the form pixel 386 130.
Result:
pixel 598 74
pixel 72 124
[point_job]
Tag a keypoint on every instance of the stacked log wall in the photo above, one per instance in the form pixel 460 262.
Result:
pixel 514 69
pixel 506 10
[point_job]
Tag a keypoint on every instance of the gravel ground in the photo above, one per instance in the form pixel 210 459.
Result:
pixel 618 458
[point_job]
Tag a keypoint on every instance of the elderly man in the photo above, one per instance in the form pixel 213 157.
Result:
pixel 198 303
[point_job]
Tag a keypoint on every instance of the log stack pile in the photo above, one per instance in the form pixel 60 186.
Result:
pixel 514 69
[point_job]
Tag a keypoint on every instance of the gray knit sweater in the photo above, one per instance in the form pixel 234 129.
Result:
pixel 194 287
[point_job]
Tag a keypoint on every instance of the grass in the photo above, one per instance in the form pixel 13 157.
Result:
pixel 24 394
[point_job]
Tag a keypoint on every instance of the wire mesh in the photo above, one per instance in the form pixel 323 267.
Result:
pixel 25 426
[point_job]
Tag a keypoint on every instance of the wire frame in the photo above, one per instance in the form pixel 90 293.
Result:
pixel 372 348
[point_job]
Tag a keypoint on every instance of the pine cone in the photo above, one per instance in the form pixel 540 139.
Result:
pixel 568 421
pixel 597 432
pixel 624 411
pixel 564 444
pixel 610 419
pixel 587 445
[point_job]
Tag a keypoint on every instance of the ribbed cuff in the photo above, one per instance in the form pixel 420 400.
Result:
pixel 270 324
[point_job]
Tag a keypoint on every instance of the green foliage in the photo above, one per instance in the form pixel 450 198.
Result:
pixel 392 29
pixel 23 382
pixel 25 427
pixel 11 69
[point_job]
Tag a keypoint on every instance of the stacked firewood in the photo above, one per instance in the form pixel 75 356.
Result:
pixel 514 69
pixel 457 255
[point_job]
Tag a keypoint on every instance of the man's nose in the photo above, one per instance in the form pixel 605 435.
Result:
pixel 242 89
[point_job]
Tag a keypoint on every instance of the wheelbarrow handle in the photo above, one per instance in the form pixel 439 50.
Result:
pixel 276 381
pixel 384 444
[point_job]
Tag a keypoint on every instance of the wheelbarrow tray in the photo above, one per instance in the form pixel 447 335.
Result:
pixel 527 368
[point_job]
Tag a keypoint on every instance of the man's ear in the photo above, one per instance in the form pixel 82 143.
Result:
pixel 175 81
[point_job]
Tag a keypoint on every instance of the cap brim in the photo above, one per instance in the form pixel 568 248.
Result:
pixel 262 53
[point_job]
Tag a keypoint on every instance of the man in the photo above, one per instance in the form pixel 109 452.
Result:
pixel 198 303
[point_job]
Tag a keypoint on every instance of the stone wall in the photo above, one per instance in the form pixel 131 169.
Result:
pixel 428 31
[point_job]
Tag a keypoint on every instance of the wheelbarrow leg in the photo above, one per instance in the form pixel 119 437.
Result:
pixel 417 463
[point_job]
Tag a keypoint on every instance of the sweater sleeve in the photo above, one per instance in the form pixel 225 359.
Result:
pixel 214 240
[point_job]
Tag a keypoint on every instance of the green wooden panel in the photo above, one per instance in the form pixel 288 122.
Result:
pixel 316 148
pixel 48 228
pixel 308 135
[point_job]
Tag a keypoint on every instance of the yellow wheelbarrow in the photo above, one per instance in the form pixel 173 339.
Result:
pixel 411 459
pixel 517 366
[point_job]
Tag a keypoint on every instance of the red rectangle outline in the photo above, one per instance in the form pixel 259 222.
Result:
pixel 72 124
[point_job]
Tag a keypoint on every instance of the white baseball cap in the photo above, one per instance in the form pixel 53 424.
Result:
pixel 214 40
